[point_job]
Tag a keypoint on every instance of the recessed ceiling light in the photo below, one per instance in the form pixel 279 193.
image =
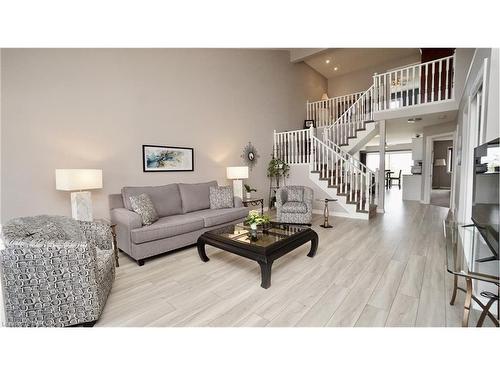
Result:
pixel 414 120
pixel 336 68
pixel 328 61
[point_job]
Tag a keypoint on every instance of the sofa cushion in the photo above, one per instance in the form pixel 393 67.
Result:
pixel 143 206
pixel 294 208
pixel 165 227
pixel 221 197
pixel 165 198
pixel 295 194
pixel 195 197
pixel 220 216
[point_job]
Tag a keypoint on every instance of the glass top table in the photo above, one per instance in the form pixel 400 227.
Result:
pixel 468 256
pixel 263 245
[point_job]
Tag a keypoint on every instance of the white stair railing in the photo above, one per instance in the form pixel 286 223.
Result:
pixel 293 147
pixel 352 120
pixel 358 185
pixel 326 112
pixel 417 84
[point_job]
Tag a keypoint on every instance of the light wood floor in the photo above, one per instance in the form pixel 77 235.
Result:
pixel 386 272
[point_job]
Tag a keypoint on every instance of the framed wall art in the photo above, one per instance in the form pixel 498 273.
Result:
pixel 167 159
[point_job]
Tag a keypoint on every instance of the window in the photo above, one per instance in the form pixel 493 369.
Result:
pixel 394 160
pixel 449 160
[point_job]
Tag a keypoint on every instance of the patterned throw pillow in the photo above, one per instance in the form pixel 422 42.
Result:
pixel 143 205
pixel 295 194
pixel 221 197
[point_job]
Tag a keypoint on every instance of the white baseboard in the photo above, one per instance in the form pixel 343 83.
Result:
pixel 342 214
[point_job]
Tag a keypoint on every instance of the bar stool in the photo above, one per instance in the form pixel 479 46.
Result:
pixel 486 308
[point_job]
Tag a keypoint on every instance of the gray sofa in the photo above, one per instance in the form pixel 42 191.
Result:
pixel 185 214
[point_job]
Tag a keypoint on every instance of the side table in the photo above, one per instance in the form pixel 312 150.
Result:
pixel 326 212
pixel 255 202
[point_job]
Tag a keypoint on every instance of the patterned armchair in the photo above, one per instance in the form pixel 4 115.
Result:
pixel 294 204
pixel 56 271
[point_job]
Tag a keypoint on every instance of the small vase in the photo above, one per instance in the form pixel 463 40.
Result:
pixel 253 226
pixel 249 195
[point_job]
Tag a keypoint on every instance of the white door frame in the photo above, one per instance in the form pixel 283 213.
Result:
pixel 428 163
pixel 471 139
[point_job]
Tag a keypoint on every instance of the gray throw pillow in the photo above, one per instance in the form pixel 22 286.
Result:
pixel 143 205
pixel 295 194
pixel 221 197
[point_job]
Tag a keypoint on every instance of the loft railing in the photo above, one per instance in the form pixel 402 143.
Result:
pixel 326 112
pixel 424 83
pixel 293 147
pixel 352 120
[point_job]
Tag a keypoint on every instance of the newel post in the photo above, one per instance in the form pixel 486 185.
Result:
pixel 274 144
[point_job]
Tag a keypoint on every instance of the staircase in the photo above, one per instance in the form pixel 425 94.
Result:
pixel 349 122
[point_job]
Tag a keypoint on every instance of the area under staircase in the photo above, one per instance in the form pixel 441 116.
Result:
pixel 344 125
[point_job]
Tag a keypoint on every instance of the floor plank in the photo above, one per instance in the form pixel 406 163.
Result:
pixel 389 271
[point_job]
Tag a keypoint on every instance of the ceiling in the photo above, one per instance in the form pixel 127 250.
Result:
pixel 400 131
pixel 348 60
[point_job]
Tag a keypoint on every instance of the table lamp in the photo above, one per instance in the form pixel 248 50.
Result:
pixel 237 174
pixel 77 180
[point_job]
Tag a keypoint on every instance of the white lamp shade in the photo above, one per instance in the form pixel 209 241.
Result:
pixel 324 96
pixel 237 173
pixel 440 163
pixel 78 179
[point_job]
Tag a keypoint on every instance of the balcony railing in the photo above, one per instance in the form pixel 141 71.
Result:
pixel 424 83
pixel 326 112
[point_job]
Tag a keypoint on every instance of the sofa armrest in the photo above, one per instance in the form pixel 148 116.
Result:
pixel 237 202
pixel 129 219
pixel 308 198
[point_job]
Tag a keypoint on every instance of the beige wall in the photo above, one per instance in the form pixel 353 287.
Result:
pixel 90 108
pixel 363 79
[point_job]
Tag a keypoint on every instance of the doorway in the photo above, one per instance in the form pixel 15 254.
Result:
pixel 442 164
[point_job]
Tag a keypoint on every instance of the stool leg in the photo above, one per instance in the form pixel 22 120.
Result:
pixel 485 312
pixel 467 303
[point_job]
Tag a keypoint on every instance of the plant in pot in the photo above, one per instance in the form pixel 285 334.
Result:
pixel 277 169
pixel 255 219
pixel 249 190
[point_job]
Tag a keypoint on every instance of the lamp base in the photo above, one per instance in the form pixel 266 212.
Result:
pixel 81 206
pixel 238 188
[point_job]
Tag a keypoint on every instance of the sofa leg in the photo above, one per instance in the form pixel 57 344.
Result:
pixel 89 324
pixel 140 262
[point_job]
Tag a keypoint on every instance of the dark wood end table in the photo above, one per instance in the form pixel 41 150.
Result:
pixel 254 202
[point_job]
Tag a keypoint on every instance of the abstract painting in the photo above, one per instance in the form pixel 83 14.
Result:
pixel 167 159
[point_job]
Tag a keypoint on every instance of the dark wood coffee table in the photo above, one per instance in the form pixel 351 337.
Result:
pixel 263 246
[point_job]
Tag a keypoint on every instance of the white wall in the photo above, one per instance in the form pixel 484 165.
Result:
pixel 463 178
pixel 491 125
pixel 95 108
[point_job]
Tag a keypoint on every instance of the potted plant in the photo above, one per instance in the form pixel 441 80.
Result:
pixel 277 168
pixel 254 219
pixel 249 191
